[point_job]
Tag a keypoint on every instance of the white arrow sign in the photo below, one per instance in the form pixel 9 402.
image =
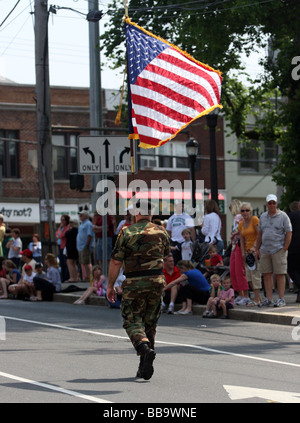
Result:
pixel 242 392
pixel 104 154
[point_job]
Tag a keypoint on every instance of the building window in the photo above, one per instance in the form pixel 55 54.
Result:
pixel 64 155
pixel 9 154
pixel 171 156
pixel 257 160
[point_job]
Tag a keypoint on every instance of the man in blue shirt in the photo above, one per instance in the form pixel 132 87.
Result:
pixel 85 243
pixel 193 286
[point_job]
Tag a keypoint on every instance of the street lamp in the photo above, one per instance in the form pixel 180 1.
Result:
pixel 192 150
pixel 92 16
pixel 212 120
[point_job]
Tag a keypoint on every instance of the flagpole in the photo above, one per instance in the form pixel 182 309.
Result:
pixel 125 3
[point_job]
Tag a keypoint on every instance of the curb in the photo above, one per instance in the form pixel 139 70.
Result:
pixel 242 313
pixel 70 298
pixel 281 316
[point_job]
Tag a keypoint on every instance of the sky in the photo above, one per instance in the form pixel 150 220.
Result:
pixel 68 45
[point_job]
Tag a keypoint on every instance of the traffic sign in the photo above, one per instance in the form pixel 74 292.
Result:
pixel 104 154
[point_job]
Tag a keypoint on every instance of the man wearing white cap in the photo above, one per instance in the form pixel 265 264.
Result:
pixel 273 240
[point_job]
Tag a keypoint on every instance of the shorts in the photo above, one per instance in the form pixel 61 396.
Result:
pixel 254 276
pixel 274 263
pixel 84 256
pixel 227 303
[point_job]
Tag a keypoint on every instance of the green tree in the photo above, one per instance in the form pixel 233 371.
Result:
pixel 284 32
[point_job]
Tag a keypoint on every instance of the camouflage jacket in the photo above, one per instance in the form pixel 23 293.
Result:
pixel 142 247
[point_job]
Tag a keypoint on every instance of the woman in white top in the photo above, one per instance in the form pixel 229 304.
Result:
pixel 212 225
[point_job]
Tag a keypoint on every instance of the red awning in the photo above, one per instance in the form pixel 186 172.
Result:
pixel 163 195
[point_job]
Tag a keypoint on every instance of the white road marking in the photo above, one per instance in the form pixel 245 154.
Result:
pixel 243 392
pixel 234 392
pixel 198 347
pixel 54 388
pixel 65 327
pixel 251 357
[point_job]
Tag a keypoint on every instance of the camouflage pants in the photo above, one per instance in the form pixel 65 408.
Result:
pixel 141 308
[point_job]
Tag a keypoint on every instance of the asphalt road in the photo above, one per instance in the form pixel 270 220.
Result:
pixel 61 353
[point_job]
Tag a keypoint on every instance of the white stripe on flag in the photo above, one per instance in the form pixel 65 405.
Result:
pixel 153 133
pixel 195 79
pixel 157 116
pixel 177 88
pixel 212 74
pixel 166 101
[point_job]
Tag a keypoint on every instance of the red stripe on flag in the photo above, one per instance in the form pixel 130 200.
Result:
pixel 152 104
pixel 195 70
pixel 168 92
pixel 150 140
pixel 181 81
pixel 151 123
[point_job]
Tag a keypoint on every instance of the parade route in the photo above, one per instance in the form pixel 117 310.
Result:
pixel 82 355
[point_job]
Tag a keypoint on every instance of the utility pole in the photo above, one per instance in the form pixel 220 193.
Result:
pixel 96 119
pixel 43 124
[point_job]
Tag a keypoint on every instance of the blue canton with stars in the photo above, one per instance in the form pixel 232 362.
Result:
pixel 141 50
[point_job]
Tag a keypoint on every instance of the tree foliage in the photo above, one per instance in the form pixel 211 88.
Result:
pixel 218 33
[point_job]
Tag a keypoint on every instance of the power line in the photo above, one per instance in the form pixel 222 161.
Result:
pixel 200 8
pixel 10 13
pixel 169 6
pixel 17 16
pixel 13 39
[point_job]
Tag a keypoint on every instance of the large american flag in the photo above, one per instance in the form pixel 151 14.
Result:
pixel 167 88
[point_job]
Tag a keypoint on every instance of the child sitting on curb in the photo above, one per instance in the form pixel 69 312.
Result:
pixel 215 289
pixel 98 287
pixel 226 299
pixel 28 280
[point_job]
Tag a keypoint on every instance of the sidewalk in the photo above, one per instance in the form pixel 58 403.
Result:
pixel 279 316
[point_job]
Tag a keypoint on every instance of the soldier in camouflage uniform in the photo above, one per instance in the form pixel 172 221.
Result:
pixel 141 247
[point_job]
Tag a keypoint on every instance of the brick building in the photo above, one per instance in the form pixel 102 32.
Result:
pixel 19 198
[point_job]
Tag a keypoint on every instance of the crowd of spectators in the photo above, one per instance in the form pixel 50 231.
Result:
pixel 264 254
pixel 261 254
pixel 24 274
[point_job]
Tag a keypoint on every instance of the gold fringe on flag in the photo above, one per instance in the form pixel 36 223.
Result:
pixel 205 112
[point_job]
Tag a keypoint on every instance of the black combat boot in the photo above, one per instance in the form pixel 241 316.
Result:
pixel 145 369
pixel 140 369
